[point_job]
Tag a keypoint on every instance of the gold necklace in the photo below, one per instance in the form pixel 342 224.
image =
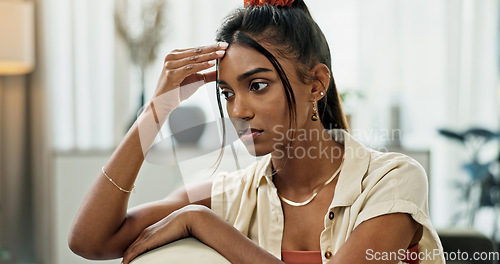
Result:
pixel 292 203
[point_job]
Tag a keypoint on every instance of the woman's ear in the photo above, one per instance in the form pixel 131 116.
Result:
pixel 321 75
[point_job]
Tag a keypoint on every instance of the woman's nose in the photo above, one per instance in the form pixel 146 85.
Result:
pixel 241 108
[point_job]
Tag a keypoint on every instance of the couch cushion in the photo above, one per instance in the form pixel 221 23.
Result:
pixel 185 251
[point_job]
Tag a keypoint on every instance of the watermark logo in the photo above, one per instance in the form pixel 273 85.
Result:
pixel 431 255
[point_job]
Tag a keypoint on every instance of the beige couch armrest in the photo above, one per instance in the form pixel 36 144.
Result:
pixel 185 251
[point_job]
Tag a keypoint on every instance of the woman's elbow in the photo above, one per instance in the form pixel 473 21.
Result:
pixel 82 248
pixel 79 248
pixel 89 249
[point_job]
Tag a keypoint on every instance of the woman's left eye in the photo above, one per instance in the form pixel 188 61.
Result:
pixel 257 86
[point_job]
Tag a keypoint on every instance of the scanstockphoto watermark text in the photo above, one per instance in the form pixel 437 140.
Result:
pixel 369 135
pixel 435 254
pixel 298 151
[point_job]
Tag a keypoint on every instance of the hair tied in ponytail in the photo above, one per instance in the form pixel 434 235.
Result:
pixel 287 3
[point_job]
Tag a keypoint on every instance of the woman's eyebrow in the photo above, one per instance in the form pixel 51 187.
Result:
pixel 221 82
pixel 246 75
pixel 252 72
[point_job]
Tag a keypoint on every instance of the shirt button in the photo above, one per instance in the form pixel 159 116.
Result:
pixel 331 215
pixel 328 254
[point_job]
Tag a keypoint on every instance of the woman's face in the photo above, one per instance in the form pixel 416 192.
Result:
pixel 256 100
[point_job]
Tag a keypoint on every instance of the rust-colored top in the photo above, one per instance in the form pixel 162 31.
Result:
pixel 301 257
pixel 314 257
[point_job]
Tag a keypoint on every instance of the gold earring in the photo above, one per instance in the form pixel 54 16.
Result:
pixel 314 116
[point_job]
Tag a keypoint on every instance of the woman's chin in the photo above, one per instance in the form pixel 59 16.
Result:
pixel 255 150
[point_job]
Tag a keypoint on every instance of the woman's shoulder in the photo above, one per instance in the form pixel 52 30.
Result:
pixel 393 183
pixel 374 164
pixel 395 167
pixel 394 160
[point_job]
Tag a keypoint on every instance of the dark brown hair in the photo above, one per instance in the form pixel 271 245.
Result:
pixel 296 36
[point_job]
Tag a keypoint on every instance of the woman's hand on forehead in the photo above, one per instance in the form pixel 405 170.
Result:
pixel 182 66
pixel 178 54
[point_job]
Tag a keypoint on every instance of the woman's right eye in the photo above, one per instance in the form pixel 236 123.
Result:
pixel 227 94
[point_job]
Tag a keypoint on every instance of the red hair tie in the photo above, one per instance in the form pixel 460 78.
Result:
pixel 287 3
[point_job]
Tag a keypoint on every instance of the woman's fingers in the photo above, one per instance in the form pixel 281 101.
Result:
pixel 191 83
pixel 149 239
pixel 170 228
pixel 133 251
pixel 180 54
pixel 199 58
pixel 183 66
pixel 180 74
pixel 205 77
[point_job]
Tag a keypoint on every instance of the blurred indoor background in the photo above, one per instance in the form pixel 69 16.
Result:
pixel 417 76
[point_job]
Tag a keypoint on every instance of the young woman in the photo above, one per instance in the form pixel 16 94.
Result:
pixel 316 194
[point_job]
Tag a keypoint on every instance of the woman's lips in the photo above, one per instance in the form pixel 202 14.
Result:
pixel 249 134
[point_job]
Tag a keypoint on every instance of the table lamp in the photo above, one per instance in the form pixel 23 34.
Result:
pixel 17 53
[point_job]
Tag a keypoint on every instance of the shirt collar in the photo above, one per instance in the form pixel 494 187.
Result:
pixel 266 172
pixel 356 161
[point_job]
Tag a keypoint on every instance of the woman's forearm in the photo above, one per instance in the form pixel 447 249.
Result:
pixel 104 209
pixel 215 232
pixel 102 228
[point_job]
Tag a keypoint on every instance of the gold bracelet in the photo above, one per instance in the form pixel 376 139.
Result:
pixel 154 112
pixel 113 182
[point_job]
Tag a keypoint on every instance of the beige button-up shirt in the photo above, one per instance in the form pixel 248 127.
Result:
pixel 370 184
